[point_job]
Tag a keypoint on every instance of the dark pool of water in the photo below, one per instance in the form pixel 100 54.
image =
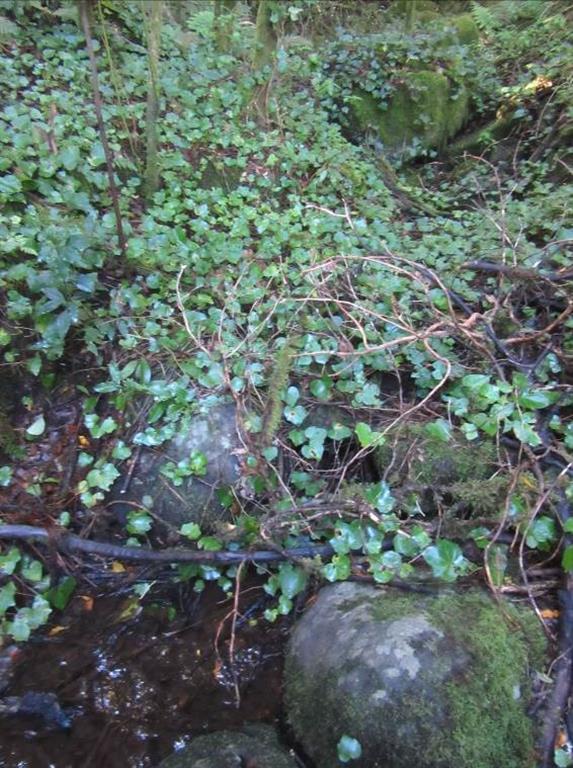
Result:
pixel 138 686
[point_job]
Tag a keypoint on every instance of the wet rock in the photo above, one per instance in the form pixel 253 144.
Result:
pixel 192 498
pixel 253 745
pixel 430 681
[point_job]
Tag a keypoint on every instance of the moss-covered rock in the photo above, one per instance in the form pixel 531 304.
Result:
pixel 425 108
pixel 255 745
pixel 433 682
pixel 190 497
pixel 464 29
pixel 425 460
pixel 402 7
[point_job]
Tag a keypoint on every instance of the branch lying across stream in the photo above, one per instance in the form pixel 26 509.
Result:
pixel 65 542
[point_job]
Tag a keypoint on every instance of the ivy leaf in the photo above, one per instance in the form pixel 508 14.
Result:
pixel 473 382
pixel 7 597
pixel 59 596
pixel 446 560
pixel 292 580
pixel 321 388
pixel 5 476
pixel 368 395
pixel 291 397
pixel 381 498
pixel 270 453
pixel 525 433
pixel 366 436
pixel 339 432
pixel 32 570
pixel 348 749
pixel 121 451
pixel 541 533
pixel 210 544
pixel 338 569
pixel 568 525
pixel 138 522
pixel 191 531
pixel 535 399
pixel 198 463
pixel 9 561
pixel 37 427
pixel 315 446
pixel 567 559
pixel 439 430
pixel 295 415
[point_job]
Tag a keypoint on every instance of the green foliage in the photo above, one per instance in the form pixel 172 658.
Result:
pixel 348 749
pixel 26 596
pixel 498 406
pixel 253 234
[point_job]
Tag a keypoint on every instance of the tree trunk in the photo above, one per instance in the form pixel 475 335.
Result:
pixel 153 13
pixel 224 24
pixel 265 36
pixel 410 15
pixel 85 12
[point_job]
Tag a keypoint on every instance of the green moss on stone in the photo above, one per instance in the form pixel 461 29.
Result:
pixel 402 7
pixel 434 463
pixel 489 725
pixel 424 108
pixel 466 31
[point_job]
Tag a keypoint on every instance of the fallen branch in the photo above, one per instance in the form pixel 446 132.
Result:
pixel 65 542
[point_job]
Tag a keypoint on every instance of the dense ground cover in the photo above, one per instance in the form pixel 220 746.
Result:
pixel 394 327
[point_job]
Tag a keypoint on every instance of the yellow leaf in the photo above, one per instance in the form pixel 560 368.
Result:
pixel 129 610
pixel 56 630
pixel 118 567
pixel 549 613
pixel 88 602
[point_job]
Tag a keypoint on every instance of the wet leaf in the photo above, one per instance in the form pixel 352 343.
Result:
pixel 37 427
pixel 348 748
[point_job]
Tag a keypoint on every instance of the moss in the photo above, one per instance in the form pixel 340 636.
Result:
pixel 463 29
pixel 402 7
pixel 489 726
pixel 216 174
pixel 435 463
pixel 424 108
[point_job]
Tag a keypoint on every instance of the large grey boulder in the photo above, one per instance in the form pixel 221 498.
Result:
pixel 255 745
pixel 418 680
pixel 213 434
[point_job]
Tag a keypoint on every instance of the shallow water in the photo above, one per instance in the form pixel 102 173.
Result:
pixel 138 686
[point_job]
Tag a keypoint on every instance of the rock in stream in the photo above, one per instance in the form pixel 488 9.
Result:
pixel 253 745
pixel 213 434
pixel 419 680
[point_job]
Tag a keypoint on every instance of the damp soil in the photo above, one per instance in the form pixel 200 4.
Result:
pixel 138 684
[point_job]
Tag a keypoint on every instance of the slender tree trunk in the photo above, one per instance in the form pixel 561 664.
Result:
pixel 410 14
pixel 223 23
pixel 85 18
pixel 153 13
pixel 265 36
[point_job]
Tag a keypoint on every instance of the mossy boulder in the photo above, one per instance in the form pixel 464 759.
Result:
pixel 402 7
pixel 255 745
pixel 431 681
pixel 419 458
pixel 425 109
pixel 463 29
pixel 212 438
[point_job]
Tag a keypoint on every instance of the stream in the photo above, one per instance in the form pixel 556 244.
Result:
pixel 138 684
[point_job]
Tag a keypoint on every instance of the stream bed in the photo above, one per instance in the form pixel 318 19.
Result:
pixel 137 683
